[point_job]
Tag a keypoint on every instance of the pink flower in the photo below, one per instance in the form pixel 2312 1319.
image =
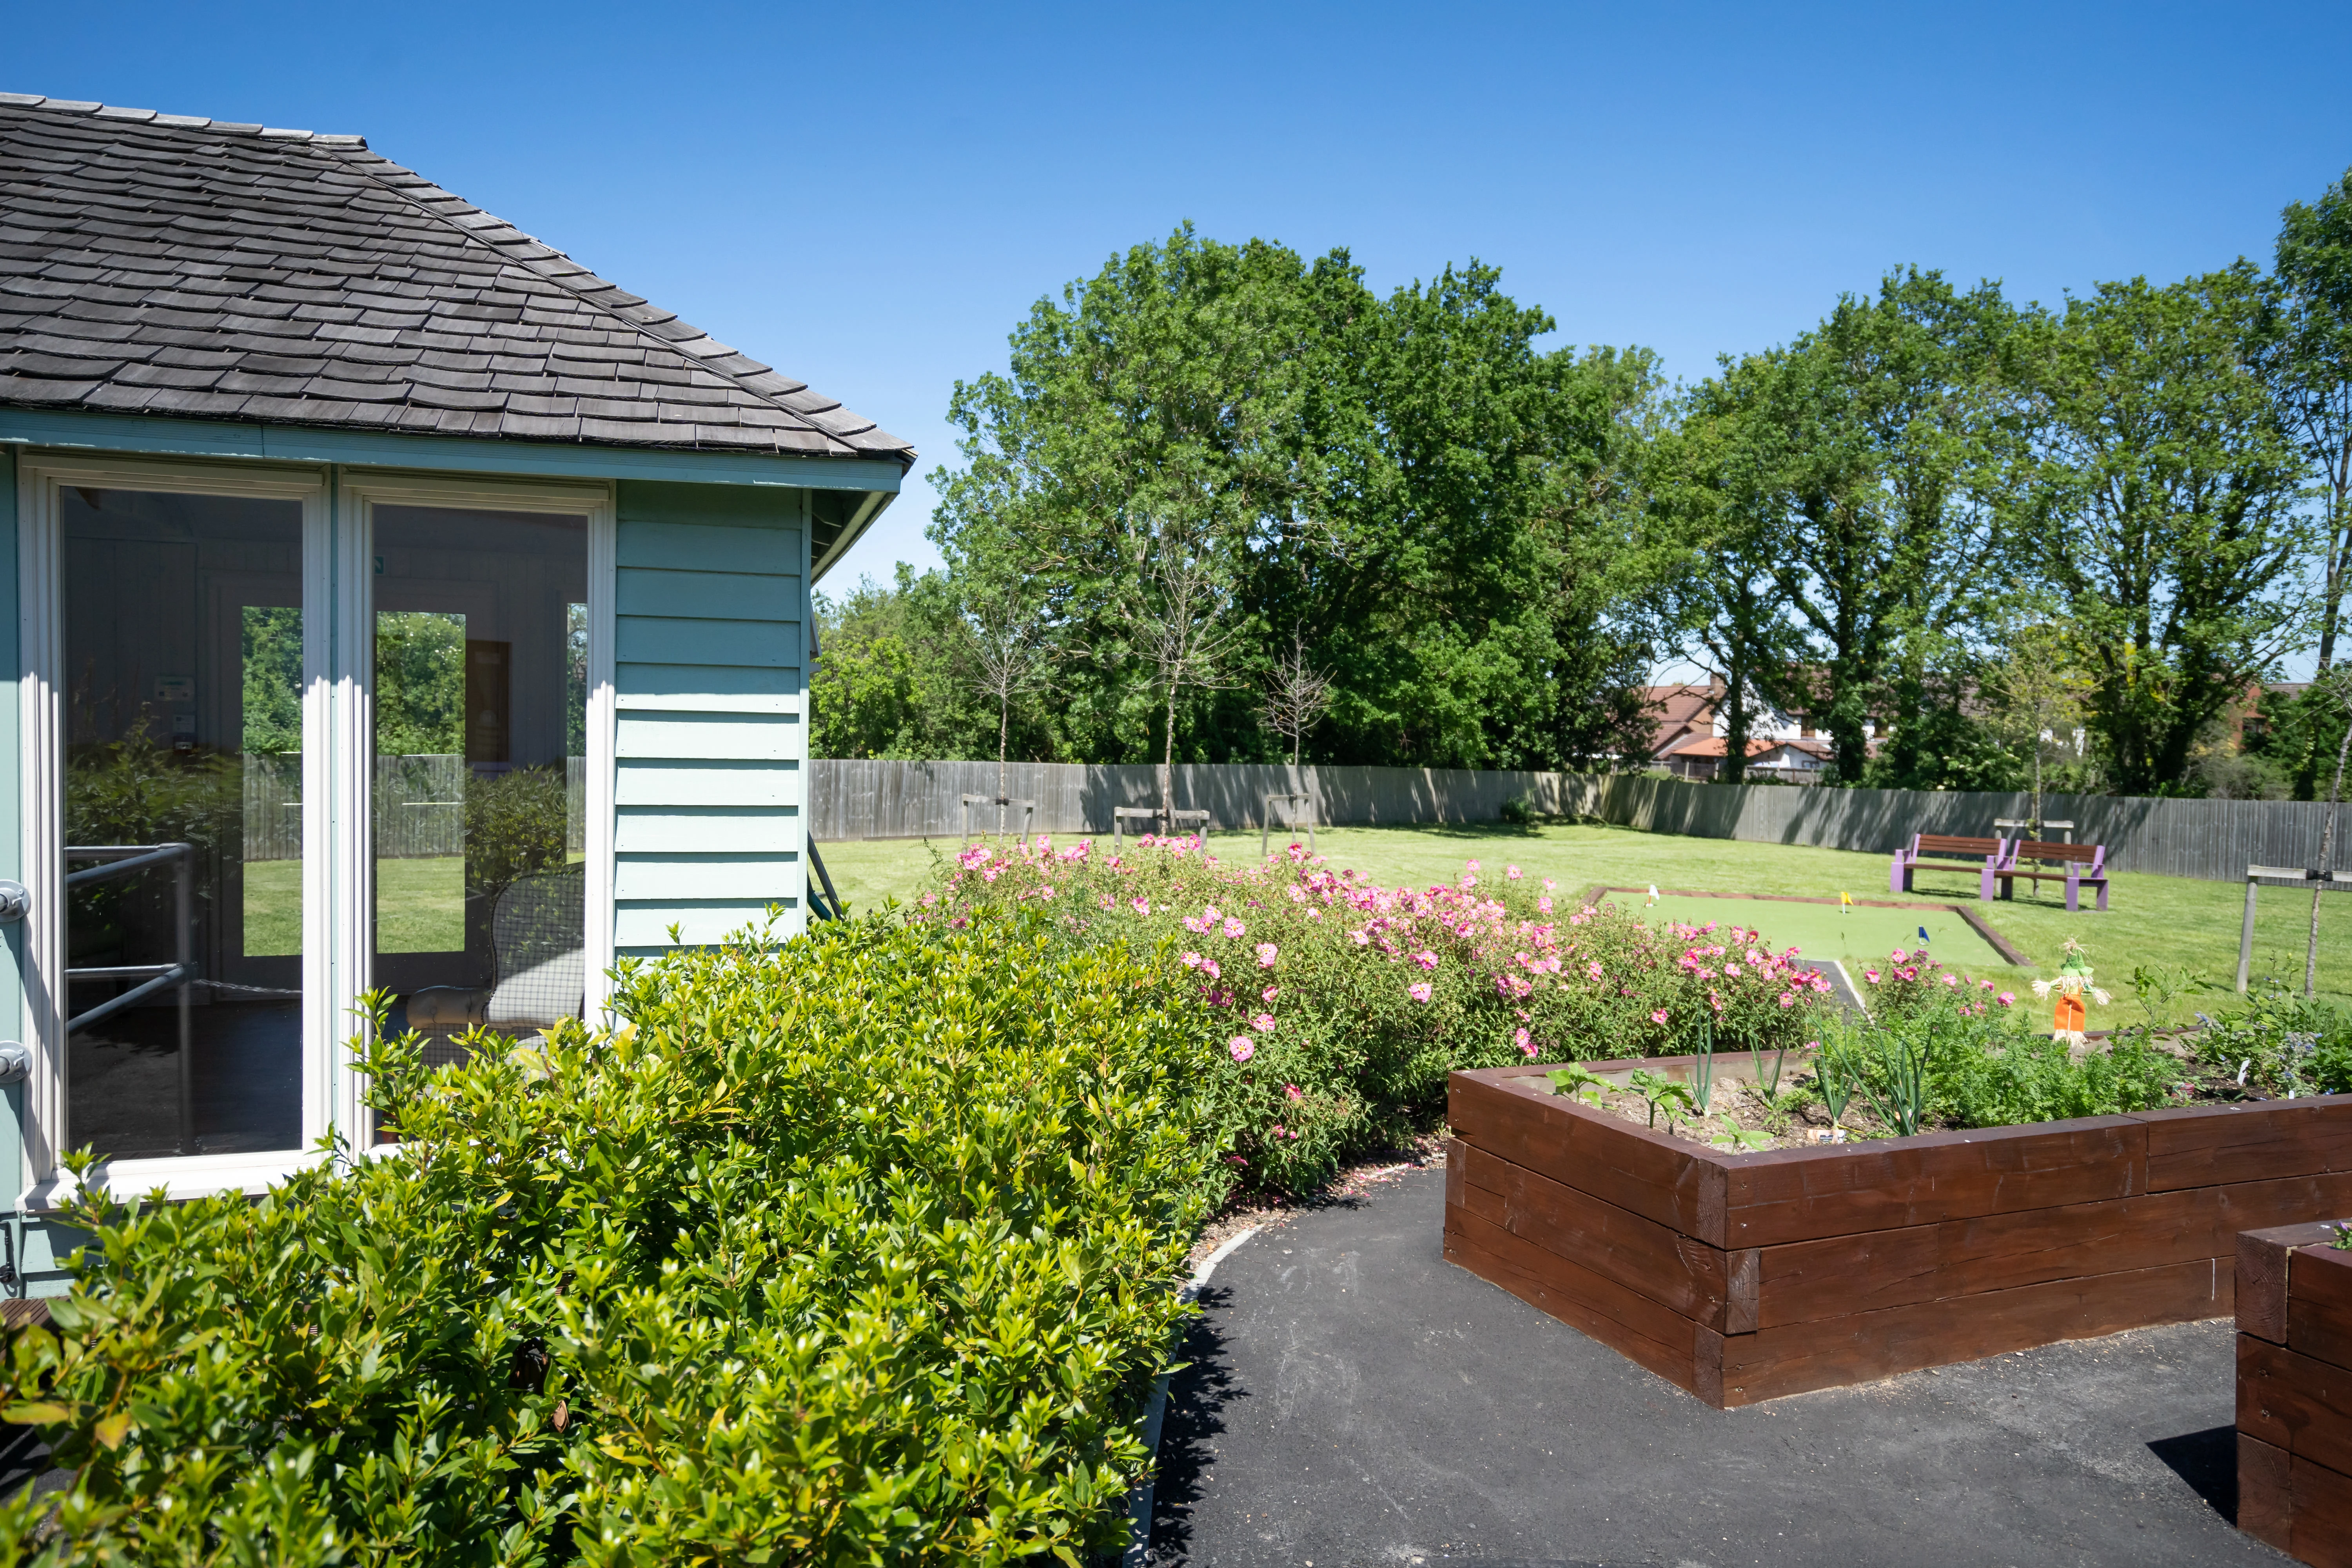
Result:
pixel 1241 1048
pixel 1659 1016
pixel 1550 884
pixel 1315 914
pixel 2006 998
pixel 1426 960
pixel 1731 969
pixel 1191 961
pixel 1209 967
pixel 1871 976
pixel 1265 955
pixel 1951 980
pixel 1470 865
pixel 1292 1089
pixel 1419 991
pixel 1984 985
pixel 1235 930
pixel 1262 1022
pixel 1593 968
pixel 1544 903
pixel 1899 956
pixel 1526 1043
pixel 1143 906
pixel 1271 991
pixel 1362 938
pixel 1788 998
pixel 1512 872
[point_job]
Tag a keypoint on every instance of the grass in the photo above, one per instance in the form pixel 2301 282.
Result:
pixel 2154 921
pixel 420 906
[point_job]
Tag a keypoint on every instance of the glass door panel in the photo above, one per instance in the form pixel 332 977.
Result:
pixel 182 687
pixel 480 723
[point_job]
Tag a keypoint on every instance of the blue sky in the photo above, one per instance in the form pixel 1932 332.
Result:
pixel 870 197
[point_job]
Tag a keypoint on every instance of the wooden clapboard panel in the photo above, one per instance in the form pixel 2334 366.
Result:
pixel 2319 1307
pixel 2203 1146
pixel 1806 1281
pixel 2295 1403
pixel 1805 1194
pixel 1829 1353
pixel 1669 1268
pixel 1646 1173
pixel 1624 1320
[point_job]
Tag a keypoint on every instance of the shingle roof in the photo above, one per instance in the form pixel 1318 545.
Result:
pixel 159 264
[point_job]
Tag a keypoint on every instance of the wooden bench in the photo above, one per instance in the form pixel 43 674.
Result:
pixel 1981 855
pixel 2083 865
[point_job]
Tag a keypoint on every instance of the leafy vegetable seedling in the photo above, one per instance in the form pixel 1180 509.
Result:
pixel 1740 1139
pixel 1656 1091
pixel 2340 1237
pixel 1573 1079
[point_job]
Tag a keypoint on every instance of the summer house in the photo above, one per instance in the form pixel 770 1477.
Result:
pixel 400 605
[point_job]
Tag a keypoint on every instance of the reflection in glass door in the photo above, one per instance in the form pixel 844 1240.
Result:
pixel 183 727
pixel 480 702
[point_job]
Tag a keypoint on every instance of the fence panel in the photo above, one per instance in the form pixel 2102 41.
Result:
pixel 2213 839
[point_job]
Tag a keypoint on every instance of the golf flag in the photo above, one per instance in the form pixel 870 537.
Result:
pixel 1845 902
pixel 1923 936
pixel 1653 893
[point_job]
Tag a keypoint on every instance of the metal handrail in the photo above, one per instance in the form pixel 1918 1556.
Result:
pixel 119 860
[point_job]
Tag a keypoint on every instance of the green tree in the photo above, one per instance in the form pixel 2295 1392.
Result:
pixel 1407 493
pixel 420 683
pixel 1869 449
pixel 2309 361
pixel 2162 499
pixel 272 663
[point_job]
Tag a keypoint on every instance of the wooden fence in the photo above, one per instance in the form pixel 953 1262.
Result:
pixel 419 805
pixel 2213 839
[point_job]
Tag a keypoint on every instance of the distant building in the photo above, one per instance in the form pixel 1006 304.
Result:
pixel 1787 761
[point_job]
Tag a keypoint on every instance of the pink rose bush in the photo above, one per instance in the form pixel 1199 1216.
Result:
pixel 1384 991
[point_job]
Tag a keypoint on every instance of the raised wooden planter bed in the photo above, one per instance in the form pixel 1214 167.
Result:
pixel 2295 1393
pixel 1746 1277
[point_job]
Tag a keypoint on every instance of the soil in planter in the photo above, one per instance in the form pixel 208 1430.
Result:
pixel 1743 1115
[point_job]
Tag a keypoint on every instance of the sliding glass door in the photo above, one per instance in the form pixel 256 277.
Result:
pixel 181 733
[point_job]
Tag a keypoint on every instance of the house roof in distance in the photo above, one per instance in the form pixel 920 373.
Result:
pixel 161 264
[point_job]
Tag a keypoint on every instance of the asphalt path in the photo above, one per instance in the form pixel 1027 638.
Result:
pixel 1353 1399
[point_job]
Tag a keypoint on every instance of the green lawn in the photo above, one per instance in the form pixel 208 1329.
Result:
pixel 2153 921
pixel 420 906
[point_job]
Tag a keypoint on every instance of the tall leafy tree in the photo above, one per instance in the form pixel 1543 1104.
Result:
pixel 2163 496
pixel 1720 597
pixel 1870 446
pixel 2309 360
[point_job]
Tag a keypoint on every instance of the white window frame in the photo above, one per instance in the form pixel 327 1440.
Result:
pixel 338 868
pixel 361 492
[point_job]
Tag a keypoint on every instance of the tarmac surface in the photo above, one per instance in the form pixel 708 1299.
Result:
pixel 1353 1399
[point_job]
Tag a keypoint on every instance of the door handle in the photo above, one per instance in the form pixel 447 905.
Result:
pixel 15 1062
pixel 13 901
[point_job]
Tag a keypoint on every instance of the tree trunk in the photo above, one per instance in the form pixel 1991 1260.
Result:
pixel 2036 742
pixel 1003 730
pixel 1168 765
pixel 2326 852
pixel 1736 725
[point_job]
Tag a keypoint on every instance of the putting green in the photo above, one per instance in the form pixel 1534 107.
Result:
pixel 1856 936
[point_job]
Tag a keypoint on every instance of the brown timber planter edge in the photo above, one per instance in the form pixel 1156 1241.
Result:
pixel 1741 1276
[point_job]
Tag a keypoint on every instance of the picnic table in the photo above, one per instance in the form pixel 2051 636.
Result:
pixel 1947 852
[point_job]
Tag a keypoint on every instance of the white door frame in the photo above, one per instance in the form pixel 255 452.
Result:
pixel 41 728
pixel 339 867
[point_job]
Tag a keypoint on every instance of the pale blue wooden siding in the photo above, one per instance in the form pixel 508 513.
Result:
pixel 712 743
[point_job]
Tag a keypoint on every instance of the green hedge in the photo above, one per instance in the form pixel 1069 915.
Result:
pixel 860 1248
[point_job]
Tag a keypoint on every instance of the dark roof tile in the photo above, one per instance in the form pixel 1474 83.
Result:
pixel 192 266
